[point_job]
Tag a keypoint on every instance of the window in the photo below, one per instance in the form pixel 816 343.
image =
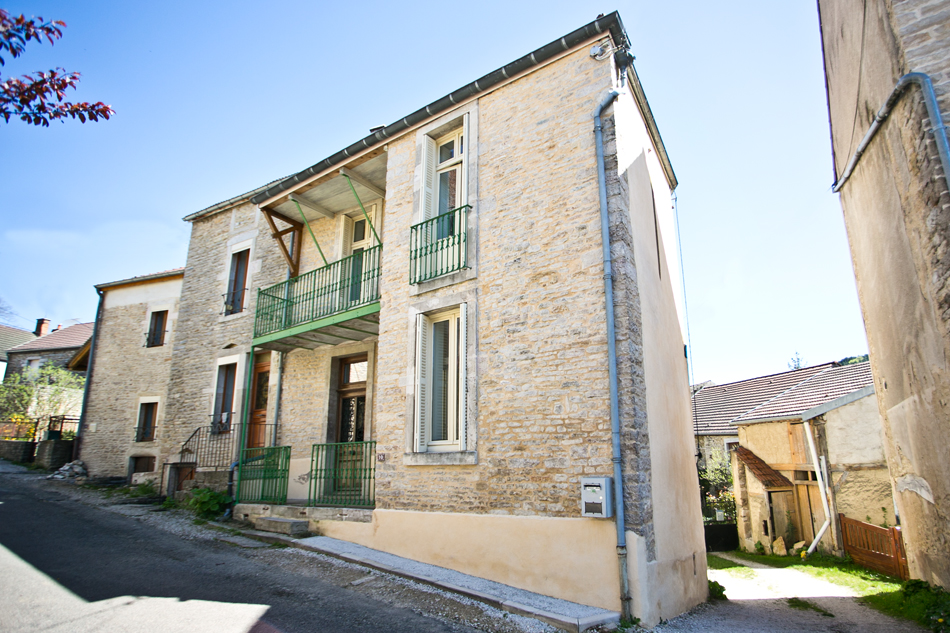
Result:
pixel 156 329
pixel 237 282
pixel 440 423
pixel 143 464
pixel 446 160
pixel 146 429
pixel 224 399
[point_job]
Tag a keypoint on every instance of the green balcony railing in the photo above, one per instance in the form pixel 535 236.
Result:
pixel 343 285
pixel 264 474
pixel 343 474
pixel 438 245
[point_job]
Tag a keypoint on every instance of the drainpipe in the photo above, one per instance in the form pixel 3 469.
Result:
pixel 77 447
pixel 933 111
pixel 245 417
pixel 822 488
pixel 626 611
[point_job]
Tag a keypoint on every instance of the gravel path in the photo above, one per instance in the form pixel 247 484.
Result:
pixel 758 601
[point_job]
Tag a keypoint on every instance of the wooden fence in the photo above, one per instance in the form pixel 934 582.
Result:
pixel 874 547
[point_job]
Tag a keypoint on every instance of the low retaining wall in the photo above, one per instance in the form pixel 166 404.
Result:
pixel 17 451
pixel 51 454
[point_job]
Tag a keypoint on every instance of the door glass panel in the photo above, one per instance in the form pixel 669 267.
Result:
pixel 359 231
pixel 448 190
pixel 446 151
pixel 440 381
pixel 352 414
pixel 260 390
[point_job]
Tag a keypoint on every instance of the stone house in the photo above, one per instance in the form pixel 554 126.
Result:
pixel 59 347
pixel 414 336
pixel 127 384
pixel 778 481
pixel 11 337
pixel 887 69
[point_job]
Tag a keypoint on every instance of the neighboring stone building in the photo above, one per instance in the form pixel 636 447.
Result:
pixel 58 347
pixel 11 337
pixel 127 389
pixel 411 338
pixel 896 201
pixel 776 481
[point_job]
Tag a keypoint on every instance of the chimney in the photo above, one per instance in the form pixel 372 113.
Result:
pixel 42 327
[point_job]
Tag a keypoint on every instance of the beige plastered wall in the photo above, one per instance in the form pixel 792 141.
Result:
pixel 667 560
pixel 127 373
pixel 897 212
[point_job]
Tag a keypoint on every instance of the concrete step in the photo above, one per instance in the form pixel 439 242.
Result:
pixel 293 527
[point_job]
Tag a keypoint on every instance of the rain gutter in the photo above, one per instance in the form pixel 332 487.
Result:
pixel 77 448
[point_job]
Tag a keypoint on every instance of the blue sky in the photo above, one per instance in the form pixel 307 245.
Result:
pixel 214 99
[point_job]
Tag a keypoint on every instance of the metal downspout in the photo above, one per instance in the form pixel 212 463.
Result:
pixel 77 448
pixel 626 610
pixel 819 473
pixel 936 121
pixel 245 416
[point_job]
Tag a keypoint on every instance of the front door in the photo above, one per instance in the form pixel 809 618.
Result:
pixel 257 429
pixel 351 423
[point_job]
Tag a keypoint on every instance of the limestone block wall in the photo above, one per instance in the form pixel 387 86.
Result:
pixel 18 361
pixel 125 372
pixel 897 212
pixel 542 417
pixel 204 335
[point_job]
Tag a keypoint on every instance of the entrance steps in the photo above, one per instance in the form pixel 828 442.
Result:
pixel 290 527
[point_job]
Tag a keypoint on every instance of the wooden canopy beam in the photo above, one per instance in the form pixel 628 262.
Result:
pixel 292 254
pixel 312 206
pixel 373 189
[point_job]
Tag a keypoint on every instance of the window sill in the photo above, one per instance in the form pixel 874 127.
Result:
pixel 459 458
pixel 441 282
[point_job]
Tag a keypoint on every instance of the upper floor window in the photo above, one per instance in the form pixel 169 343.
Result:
pixel 224 399
pixel 237 283
pixel 156 329
pixel 440 381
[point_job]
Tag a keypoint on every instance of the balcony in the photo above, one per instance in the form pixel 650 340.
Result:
pixel 438 246
pixel 326 306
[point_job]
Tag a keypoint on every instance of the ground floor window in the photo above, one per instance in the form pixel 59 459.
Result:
pixel 146 426
pixel 143 464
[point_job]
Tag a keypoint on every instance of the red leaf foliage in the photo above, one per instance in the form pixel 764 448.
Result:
pixel 39 98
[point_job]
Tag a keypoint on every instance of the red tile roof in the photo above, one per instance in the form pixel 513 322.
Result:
pixel 717 406
pixel 70 337
pixel 769 477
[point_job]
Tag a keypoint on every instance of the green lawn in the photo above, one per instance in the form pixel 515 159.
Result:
pixel 911 601
pixel 734 569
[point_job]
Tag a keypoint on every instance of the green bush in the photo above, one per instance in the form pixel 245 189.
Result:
pixel 208 503
pixel 716 591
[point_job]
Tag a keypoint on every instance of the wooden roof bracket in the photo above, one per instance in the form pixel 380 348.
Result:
pixel 295 229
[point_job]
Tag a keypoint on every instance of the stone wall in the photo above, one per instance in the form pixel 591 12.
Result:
pixel 897 212
pixel 17 451
pixel 17 361
pixel 125 372
pixel 51 454
pixel 542 411
pixel 204 335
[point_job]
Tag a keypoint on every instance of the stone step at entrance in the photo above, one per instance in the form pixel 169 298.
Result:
pixel 292 527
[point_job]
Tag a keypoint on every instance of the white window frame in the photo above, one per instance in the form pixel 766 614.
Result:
pixel 458 382
pixel 434 168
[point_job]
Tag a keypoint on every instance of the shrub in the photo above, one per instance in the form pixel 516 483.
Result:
pixel 716 591
pixel 208 503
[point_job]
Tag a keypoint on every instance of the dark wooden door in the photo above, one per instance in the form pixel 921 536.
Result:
pixel 257 429
pixel 351 422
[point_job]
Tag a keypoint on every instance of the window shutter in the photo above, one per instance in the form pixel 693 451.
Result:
pixel 346 236
pixel 429 161
pixel 421 435
pixel 463 376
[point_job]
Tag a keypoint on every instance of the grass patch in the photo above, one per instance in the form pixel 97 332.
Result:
pixel 798 603
pixel 840 571
pixel 731 568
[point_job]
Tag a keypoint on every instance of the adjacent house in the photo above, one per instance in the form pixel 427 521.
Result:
pixel 464 326
pixel 11 337
pixel 127 386
pixel 887 69
pixel 778 480
pixel 58 347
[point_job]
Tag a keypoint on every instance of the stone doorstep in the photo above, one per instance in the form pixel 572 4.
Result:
pixel 292 527
pixel 567 623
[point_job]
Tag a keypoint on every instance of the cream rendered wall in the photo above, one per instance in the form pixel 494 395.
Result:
pixel 854 434
pixel 668 558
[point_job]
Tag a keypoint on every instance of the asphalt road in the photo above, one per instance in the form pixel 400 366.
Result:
pixel 99 555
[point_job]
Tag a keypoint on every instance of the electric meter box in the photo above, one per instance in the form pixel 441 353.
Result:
pixel 597 497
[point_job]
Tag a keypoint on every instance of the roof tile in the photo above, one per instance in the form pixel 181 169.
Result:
pixel 66 338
